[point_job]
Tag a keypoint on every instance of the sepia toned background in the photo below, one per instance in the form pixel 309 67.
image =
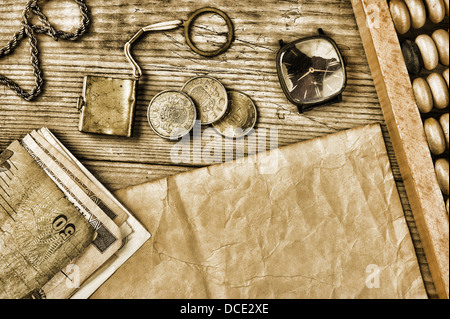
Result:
pixel 167 63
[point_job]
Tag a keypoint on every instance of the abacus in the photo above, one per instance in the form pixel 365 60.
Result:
pixel 407 47
pixel 426 57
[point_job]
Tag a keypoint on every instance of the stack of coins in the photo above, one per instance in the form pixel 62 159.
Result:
pixel 172 114
pixel 422 27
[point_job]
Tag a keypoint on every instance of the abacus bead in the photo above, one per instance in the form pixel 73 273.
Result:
pixel 418 13
pixel 440 38
pixel 443 120
pixel 400 16
pixel 441 169
pixel 439 90
pixel 445 75
pixel 428 51
pixel 412 57
pixel 446 7
pixel 435 136
pixel 436 10
pixel 422 93
pixel 446 205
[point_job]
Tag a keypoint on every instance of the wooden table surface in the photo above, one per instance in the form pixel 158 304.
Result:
pixel 167 63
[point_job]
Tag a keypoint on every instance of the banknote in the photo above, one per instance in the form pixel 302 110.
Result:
pixel 117 234
pixel 85 274
pixel 41 232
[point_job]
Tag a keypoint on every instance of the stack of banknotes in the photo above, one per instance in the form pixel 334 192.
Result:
pixel 62 233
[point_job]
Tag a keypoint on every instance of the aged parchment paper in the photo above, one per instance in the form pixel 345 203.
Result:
pixel 317 219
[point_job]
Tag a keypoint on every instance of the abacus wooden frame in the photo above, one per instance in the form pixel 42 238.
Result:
pixel 405 126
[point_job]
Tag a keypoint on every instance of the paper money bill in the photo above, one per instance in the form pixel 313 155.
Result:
pixel 89 271
pixel 41 232
pixel 118 234
pixel 66 177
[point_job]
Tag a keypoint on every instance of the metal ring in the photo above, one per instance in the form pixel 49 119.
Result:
pixel 194 16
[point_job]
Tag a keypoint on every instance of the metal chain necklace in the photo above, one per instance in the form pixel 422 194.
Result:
pixel 29 30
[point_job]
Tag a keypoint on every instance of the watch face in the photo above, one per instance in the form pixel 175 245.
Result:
pixel 311 71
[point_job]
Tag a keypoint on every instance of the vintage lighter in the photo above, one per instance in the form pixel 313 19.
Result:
pixel 107 104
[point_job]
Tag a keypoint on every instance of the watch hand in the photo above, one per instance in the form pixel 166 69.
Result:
pixel 326 71
pixel 311 70
pixel 304 76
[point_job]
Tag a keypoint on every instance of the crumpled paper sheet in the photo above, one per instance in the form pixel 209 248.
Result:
pixel 325 222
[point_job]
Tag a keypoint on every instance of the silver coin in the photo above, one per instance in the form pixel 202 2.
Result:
pixel 171 114
pixel 240 117
pixel 210 97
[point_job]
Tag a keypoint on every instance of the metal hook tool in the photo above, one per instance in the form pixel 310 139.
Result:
pixel 175 24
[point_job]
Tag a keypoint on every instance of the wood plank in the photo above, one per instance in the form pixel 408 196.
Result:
pixel 167 62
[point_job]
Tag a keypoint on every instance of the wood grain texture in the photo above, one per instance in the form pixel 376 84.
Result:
pixel 167 63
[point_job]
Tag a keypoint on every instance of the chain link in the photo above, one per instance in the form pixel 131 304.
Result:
pixel 29 30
